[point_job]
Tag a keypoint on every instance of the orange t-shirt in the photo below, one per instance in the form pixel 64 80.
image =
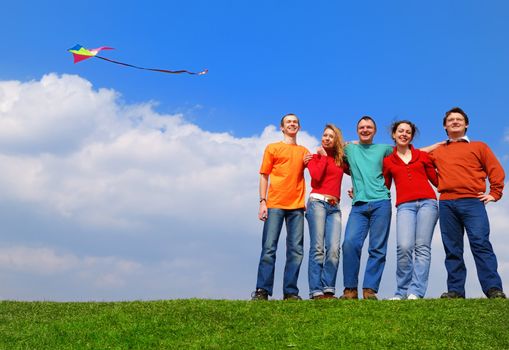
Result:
pixel 285 166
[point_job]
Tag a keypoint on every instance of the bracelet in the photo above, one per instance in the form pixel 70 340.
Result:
pixel 263 199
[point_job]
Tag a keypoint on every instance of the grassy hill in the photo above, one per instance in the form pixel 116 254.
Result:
pixel 221 324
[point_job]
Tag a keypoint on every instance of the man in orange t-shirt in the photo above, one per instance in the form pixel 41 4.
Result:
pixel 283 168
pixel 463 167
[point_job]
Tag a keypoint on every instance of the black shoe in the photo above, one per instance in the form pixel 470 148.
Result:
pixel 260 294
pixel 452 295
pixel 495 293
pixel 291 297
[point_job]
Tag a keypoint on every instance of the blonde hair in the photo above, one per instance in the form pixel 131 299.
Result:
pixel 339 144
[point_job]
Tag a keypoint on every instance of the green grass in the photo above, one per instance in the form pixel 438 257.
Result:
pixel 220 324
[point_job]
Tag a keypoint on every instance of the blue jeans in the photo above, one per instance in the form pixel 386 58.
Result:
pixel 415 224
pixel 324 222
pixel 294 249
pixel 375 218
pixel 467 214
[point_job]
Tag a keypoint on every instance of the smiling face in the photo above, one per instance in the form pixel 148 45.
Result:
pixel 403 134
pixel 290 125
pixel 366 130
pixel 455 125
pixel 328 138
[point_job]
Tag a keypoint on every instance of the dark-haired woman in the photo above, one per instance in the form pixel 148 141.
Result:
pixel 417 210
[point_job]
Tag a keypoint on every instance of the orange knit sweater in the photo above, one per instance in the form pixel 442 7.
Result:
pixel 463 168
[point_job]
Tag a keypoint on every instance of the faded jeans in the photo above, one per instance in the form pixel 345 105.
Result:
pixel 324 221
pixel 415 224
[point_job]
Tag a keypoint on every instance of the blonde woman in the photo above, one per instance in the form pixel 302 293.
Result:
pixel 323 214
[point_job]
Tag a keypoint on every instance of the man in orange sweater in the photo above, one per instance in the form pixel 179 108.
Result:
pixel 463 167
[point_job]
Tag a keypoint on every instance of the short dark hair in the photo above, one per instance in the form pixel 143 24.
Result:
pixel 286 115
pixel 366 117
pixel 395 125
pixel 456 110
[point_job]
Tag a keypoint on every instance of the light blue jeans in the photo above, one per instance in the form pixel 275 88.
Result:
pixel 294 249
pixel 375 218
pixel 324 222
pixel 415 224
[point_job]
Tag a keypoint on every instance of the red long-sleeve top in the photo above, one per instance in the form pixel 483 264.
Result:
pixel 326 175
pixel 412 179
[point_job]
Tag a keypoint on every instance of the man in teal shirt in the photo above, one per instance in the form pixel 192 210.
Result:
pixel 371 212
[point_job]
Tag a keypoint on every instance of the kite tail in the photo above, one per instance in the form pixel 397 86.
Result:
pixel 155 69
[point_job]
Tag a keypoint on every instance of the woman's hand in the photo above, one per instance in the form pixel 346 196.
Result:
pixel 321 151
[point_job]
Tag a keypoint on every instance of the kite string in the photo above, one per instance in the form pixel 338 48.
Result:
pixel 154 69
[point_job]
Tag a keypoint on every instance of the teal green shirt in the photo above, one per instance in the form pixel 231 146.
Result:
pixel 366 163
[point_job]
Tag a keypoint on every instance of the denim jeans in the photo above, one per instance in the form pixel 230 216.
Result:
pixel 324 222
pixel 415 224
pixel 375 218
pixel 294 220
pixel 467 214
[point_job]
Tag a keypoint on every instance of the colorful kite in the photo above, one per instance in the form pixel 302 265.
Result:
pixel 80 53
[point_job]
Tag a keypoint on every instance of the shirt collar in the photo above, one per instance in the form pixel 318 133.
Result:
pixel 463 138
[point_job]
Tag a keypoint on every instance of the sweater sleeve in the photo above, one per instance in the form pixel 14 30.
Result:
pixel 317 166
pixel 431 172
pixel 495 173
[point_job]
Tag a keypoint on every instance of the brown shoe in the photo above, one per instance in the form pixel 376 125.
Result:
pixel 319 297
pixel 329 295
pixel 350 293
pixel 369 294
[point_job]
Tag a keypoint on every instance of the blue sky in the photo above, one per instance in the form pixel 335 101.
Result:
pixel 99 204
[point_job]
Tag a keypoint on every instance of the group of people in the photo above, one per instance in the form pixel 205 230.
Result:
pixel 458 168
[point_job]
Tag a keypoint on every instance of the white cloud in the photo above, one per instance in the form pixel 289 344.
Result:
pixel 85 156
pixel 55 114
pixel 124 203
pixel 73 154
pixel 100 272
pixel 36 260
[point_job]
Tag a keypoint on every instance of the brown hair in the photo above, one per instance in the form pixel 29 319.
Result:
pixel 456 110
pixel 287 115
pixel 395 125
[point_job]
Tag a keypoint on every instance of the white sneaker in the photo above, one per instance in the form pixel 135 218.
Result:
pixel 396 297
pixel 412 297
